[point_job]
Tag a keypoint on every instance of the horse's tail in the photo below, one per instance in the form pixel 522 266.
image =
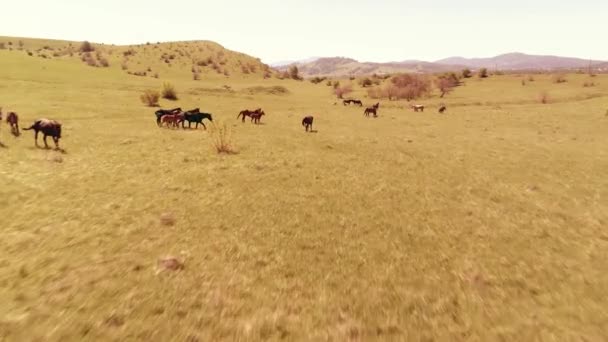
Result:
pixel 241 113
pixel 31 127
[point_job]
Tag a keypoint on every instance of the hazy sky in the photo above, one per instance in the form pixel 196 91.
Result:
pixel 378 30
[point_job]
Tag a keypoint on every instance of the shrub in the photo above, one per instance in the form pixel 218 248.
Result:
pixel 294 73
pixel 155 75
pixel 267 74
pixel 196 76
pixel 328 83
pixel 446 83
pixel 588 84
pixel 29 53
pixel 317 80
pixel 559 78
pixel 86 47
pixel 150 98
pixel 483 73
pixel 124 66
pixel 104 62
pixel 366 82
pixel 244 69
pixel 222 138
pixel 2 46
pixel 466 73
pixel 169 91
pixel 90 61
pixel 543 97
pixel 340 91
pixel 226 73
pixel 531 78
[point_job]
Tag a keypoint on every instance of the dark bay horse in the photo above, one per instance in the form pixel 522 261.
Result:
pixel 48 128
pixel 13 120
pixel 357 102
pixel 162 112
pixel 307 122
pixel 372 110
pixel 196 118
pixel 255 117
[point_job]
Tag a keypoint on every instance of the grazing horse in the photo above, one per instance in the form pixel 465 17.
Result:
pixel 196 118
pixel 357 102
pixel 255 117
pixel 162 112
pixel 442 108
pixel 247 113
pixel 347 102
pixel 307 122
pixel 417 108
pixel 47 127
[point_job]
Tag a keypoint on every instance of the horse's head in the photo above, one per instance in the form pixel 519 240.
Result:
pixel 262 113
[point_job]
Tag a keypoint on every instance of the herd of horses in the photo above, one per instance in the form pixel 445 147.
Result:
pixel 48 128
pixel 172 118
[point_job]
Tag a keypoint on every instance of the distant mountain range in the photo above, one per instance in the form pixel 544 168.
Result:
pixel 342 66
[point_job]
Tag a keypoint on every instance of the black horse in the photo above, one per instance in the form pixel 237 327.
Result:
pixel 197 118
pixel 307 122
pixel 162 112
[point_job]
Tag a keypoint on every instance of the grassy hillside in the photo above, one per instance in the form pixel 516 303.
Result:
pixel 485 223
pixel 174 60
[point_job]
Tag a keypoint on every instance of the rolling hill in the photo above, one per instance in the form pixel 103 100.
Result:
pixel 519 61
pixel 342 66
pixel 182 60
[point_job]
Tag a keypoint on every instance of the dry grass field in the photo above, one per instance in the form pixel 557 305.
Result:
pixel 488 222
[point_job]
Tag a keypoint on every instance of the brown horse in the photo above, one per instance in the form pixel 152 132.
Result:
pixel 171 119
pixel 256 116
pixel 307 122
pixel 442 108
pixel 47 127
pixel 247 113
pixel 372 110
pixel 13 120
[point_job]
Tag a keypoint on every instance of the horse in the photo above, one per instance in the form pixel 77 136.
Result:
pixel 307 122
pixel 47 127
pixel 162 112
pixel 442 108
pixel 357 102
pixel 371 110
pixel 171 119
pixel 255 117
pixel 347 102
pixel 417 108
pixel 248 113
pixel 13 120
pixel 197 118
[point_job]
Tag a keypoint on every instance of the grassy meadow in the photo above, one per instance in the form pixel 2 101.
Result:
pixel 485 223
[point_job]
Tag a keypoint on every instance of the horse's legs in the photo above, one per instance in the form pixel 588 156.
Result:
pixel 36 138
pixel 45 144
pixel 205 127
pixel 56 140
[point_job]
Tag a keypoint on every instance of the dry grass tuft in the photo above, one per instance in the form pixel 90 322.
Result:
pixel 169 91
pixel 222 138
pixel 150 97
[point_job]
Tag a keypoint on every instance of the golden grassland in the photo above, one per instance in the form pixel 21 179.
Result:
pixel 485 223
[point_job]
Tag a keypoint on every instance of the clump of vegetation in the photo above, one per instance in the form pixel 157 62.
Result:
pixel 222 138
pixel 150 98
pixel 531 78
pixel 543 97
pixel 2 46
pixel 446 83
pixel 196 75
pixel 559 78
pixel 86 47
pixel 483 73
pixel 366 82
pixel 340 91
pixel 169 91
pixel 588 84
pixel 406 86
pixel 294 73
pixel 317 80
pixel 466 73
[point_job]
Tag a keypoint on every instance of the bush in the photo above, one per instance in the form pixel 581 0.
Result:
pixel 222 138
pixel 328 83
pixel 447 82
pixel 150 98
pixel 294 73
pixel 317 80
pixel 86 47
pixel 169 91
pixel 588 84
pixel 366 82
pixel 543 97
pixel 104 62
pixel 531 78
pixel 196 76
pixel 483 73
pixel 466 73
pixel 559 78
pixel 340 91
pixel 2 46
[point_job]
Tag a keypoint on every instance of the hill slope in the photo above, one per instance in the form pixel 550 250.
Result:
pixel 174 59
pixel 341 66
pixel 519 61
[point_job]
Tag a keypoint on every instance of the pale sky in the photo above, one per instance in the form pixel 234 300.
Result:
pixel 378 30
